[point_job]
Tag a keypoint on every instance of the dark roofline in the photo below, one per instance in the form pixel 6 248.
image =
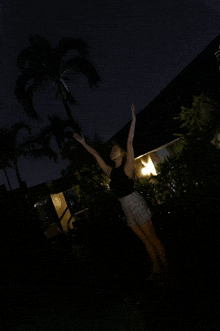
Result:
pixel 161 147
pixel 155 123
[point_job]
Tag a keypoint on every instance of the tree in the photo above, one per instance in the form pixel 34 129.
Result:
pixel 39 145
pixel 11 151
pixel 40 63
pixel 194 169
pixel 4 163
pixel 202 120
pixel 59 129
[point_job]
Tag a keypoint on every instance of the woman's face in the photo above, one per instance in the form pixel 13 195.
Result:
pixel 115 153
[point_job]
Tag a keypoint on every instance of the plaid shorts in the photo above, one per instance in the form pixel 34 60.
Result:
pixel 135 209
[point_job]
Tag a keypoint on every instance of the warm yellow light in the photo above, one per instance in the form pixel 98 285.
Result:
pixel 62 210
pixel 57 201
pixel 71 226
pixel 148 168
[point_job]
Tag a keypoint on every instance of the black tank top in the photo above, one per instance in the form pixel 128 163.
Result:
pixel 120 183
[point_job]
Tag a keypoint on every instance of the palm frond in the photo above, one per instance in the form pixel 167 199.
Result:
pixel 26 55
pixel 67 44
pixel 39 57
pixel 40 152
pixel 38 146
pixel 57 122
pixel 4 160
pixel 24 93
pixel 82 65
pixel 40 43
pixel 15 128
pixel 38 53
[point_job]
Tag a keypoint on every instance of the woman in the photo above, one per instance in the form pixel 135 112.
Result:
pixel 137 214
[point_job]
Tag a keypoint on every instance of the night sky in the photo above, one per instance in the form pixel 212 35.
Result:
pixel 137 47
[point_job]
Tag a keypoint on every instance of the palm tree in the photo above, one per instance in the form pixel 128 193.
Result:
pixel 39 145
pixel 40 63
pixel 11 151
pixel 4 163
pixel 59 129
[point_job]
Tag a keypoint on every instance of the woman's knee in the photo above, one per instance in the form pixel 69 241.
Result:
pixel 148 228
pixel 139 232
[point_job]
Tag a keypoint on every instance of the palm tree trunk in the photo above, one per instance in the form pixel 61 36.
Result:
pixel 73 123
pixel 18 173
pixel 6 175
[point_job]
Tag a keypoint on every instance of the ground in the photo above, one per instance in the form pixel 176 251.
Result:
pixel 67 287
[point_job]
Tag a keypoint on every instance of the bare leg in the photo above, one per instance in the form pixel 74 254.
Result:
pixel 148 228
pixel 148 245
pixel 153 245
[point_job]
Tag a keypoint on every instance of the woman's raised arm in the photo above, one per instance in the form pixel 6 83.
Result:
pixel 106 168
pixel 129 166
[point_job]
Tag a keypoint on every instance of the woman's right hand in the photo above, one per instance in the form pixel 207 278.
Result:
pixel 79 138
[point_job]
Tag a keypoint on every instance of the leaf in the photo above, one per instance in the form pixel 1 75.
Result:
pixel 84 66
pixel 67 44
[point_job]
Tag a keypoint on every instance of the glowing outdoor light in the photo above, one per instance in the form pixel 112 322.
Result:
pixel 62 210
pixel 57 200
pixel 148 168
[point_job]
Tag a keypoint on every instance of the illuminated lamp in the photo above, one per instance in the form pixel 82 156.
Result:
pixel 148 168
